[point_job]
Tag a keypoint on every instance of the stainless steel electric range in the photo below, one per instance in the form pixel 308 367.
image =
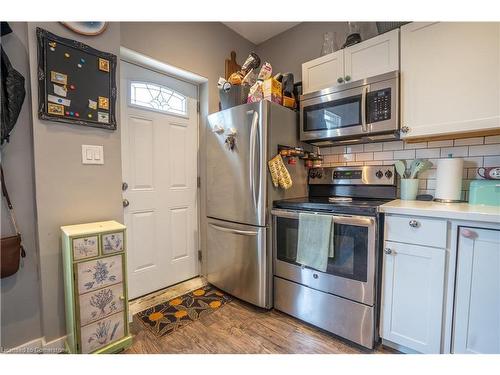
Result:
pixel 344 298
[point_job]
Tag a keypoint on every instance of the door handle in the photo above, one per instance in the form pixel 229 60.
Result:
pixel 125 203
pixel 234 231
pixel 251 167
pixel 364 127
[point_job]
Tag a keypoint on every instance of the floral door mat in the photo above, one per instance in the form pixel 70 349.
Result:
pixel 169 316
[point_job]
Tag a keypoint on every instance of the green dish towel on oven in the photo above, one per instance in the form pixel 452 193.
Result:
pixel 315 240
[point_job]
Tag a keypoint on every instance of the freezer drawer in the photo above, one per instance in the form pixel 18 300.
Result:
pixel 237 261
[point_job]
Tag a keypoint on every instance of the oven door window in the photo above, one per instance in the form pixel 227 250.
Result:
pixel 350 258
pixel 332 115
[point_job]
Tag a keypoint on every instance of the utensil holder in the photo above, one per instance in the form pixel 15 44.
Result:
pixel 409 189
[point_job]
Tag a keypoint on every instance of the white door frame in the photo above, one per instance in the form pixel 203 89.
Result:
pixel 146 62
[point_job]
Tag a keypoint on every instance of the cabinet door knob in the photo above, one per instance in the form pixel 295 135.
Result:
pixel 414 223
pixel 405 129
pixel 122 298
pixel 347 78
pixel 340 80
pixel 387 251
pixel 315 275
pixel 467 233
pixel 125 203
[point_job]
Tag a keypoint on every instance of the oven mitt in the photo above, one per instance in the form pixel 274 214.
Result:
pixel 279 174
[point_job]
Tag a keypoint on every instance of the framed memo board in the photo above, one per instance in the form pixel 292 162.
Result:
pixel 76 83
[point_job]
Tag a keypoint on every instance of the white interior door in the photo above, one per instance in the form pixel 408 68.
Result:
pixel 159 165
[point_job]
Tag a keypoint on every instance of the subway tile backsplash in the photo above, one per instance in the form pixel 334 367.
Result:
pixel 477 152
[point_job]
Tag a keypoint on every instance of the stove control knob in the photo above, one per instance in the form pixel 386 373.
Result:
pixel 379 174
pixel 388 174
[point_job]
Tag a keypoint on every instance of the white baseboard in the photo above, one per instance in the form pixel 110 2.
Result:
pixel 39 346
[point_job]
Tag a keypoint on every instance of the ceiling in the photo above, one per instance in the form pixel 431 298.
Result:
pixel 258 32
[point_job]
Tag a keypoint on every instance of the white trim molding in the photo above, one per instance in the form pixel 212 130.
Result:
pixel 39 346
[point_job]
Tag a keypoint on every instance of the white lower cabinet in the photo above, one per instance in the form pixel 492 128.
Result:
pixel 477 294
pixel 412 296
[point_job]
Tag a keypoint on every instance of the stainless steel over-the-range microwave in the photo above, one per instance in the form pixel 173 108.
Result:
pixel 361 111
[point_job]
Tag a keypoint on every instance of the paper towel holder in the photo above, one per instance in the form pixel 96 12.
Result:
pixel 441 200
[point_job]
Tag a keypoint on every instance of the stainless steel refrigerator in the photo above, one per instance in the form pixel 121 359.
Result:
pixel 240 195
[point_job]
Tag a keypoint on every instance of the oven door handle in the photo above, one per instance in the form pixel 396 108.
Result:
pixel 338 219
pixel 364 126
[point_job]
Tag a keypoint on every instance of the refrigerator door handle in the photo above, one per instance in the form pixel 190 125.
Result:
pixel 253 142
pixel 234 231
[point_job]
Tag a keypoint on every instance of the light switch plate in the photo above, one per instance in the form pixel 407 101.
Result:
pixel 92 154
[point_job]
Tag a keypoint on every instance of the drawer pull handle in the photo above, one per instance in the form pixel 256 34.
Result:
pixel 414 224
pixel 388 251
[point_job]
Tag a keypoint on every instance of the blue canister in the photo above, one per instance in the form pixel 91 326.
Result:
pixel 485 192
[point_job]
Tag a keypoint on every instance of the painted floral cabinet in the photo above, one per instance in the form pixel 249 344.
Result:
pixel 95 287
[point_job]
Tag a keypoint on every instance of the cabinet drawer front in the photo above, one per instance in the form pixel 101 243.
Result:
pixel 103 332
pixel 416 230
pixel 101 303
pixel 85 247
pixel 98 273
pixel 113 243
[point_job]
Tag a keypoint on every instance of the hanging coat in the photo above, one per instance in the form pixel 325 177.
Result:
pixel 12 95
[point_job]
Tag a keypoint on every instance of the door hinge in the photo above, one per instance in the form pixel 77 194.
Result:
pixel 198 181
pixel 197 107
pixel 200 256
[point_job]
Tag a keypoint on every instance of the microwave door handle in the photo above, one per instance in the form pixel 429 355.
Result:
pixel 365 89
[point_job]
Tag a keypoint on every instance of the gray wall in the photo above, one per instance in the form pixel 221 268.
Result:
pixel 20 293
pixel 287 51
pixel 199 47
pixel 68 192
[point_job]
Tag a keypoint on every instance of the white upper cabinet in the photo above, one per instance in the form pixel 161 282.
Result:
pixel 374 56
pixel 323 72
pixel 477 296
pixel 450 78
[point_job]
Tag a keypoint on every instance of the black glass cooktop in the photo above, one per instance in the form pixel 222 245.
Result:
pixel 356 206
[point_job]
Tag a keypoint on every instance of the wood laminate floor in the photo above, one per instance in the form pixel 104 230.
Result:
pixel 238 328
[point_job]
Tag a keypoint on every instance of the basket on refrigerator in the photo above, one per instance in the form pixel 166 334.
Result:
pixel 236 95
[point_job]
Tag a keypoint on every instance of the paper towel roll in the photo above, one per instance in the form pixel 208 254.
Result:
pixel 449 179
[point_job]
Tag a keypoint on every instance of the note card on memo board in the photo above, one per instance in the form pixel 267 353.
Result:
pixel 76 83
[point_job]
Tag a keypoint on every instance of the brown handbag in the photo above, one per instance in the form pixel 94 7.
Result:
pixel 12 249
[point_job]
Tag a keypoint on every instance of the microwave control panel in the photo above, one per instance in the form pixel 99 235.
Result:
pixel 378 105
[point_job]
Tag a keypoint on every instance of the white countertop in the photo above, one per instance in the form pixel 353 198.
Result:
pixel 456 211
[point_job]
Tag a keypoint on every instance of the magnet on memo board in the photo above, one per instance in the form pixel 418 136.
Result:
pixel 79 65
pixel 57 77
pixel 103 102
pixel 103 65
pixel 77 114
pixel 72 87
pixel 82 60
pixel 66 55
